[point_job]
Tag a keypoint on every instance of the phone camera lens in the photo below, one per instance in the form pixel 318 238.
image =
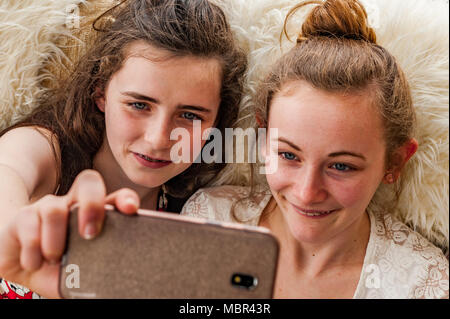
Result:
pixel 244 281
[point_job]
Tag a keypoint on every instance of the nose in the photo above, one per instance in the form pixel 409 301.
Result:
pixel 309 187
pixel 157 133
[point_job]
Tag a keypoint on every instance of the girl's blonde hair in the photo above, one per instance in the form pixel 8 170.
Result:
pixel 337 51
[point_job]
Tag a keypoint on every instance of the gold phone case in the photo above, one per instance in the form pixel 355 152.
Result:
pixel 163 255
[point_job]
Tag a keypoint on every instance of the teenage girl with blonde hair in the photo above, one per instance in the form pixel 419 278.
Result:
pixel 345 124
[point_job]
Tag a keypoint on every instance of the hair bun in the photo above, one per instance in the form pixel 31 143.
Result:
pixel 335 19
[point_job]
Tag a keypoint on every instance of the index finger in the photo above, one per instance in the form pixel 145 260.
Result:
pixel 89 191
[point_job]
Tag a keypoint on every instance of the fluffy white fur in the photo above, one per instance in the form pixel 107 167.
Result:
pixel 415 31
pixel 28 30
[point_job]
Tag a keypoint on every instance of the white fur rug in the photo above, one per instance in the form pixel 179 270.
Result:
pixel 28 29
pixel 415 31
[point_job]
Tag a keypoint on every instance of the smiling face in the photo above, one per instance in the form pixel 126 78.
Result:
pixel 147 99
pixel 330 156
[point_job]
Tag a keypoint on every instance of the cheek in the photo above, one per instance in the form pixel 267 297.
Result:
pixel 359 190
pixel 354 193
pixel 278 180
pixel 120 127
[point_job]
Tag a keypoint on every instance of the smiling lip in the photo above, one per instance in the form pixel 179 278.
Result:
pixel 310 213
pixel 150 162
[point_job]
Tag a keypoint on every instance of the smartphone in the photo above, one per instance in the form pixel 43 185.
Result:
pixel 164 255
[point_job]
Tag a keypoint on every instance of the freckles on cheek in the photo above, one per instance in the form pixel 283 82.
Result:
pixel 352 194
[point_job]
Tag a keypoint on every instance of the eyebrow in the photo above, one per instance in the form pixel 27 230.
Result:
pixel 290 144
pixel 346 153
pixel 142 97
pixel 334 154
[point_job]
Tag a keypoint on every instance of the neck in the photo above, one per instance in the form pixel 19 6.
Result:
pixel 115 178
pixel 339 251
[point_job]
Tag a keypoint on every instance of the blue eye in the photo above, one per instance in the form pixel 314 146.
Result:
pixel 190 116
pixel 138 105
pixel 342 167
pixel 288 156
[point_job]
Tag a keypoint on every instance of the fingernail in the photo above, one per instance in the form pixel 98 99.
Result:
pixel 90 230
pixel 131 201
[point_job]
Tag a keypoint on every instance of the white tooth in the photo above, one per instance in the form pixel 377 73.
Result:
pixel 149 159
pixel 145 157
pixel 316 214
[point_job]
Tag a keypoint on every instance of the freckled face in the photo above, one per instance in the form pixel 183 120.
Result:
pixel 330 159
pixel 146 100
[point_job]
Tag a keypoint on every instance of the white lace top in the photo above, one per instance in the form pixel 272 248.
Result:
pixel 399 262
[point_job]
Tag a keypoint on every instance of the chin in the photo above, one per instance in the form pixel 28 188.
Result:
pixel 305 234
pixel 304 229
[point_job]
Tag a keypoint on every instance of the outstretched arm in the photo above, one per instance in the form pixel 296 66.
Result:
pixel 28 169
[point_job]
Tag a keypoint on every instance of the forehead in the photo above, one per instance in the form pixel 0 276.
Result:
pixel 160 58
pixel 147 69
pixel 310 116
pixel 166 59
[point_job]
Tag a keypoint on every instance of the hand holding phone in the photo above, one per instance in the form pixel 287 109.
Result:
pixel 33 242
pixel 163 255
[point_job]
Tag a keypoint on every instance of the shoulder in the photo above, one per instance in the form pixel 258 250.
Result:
pixel 33 153
pixel 30 131
pixel 227 203
pixel 409 266
pixel 38 141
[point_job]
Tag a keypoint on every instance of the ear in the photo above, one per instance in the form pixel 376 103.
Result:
pixel 400 158
pixel 100 99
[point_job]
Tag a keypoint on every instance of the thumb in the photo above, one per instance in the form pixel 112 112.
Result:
pixel 125 200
